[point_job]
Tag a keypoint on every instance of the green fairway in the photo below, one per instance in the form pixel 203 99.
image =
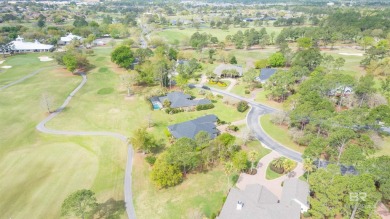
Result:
pixel 22 65
pixel 173 33
pixel 275 131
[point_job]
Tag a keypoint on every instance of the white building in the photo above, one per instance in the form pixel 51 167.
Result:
pixel 19 46
pixel 69 38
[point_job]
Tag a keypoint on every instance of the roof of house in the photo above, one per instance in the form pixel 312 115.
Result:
pixel 266 73
pixel 220 68
pixel 70 37
pixel 190 128
pixel 344 169
pixel 180 99
pixel 258 202
pixel 295 190
pixel 19 44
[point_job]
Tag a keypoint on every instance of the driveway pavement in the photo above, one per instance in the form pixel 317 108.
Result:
pixel 260 177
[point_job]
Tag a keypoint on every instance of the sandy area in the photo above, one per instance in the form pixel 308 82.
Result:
pixel 2 61
pixel 45 59
pixel 350 54
pixel 7 66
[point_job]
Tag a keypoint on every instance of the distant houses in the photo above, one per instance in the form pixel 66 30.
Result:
pixel 256 201
pixel 177 100
pixel 68 39
pixel 191 128
pixel 20 46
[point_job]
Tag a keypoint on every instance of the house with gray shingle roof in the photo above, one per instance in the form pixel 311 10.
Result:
pixel 190 128
pixel 265 74
pixel 178 100
pixel 220 68
pixel 256 201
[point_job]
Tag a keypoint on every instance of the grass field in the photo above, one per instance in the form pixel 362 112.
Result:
pixel 22 65
pixel 37 170
pixel 275 131
pixel 173 33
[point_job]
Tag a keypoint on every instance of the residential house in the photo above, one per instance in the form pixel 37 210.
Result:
pixel 191 128
pixel 177 100
pixel 256 201
pixel 265 74
pixel 344 169
pixel 68 39
pixel 20 46
pixel 220 68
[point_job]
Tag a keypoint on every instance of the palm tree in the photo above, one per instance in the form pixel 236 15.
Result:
pixel 288 165
pixel 228 168
pixel 308 166
pixel 278 162
pixel 252 155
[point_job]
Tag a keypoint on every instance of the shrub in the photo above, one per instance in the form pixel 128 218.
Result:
pixel 219 96
pixel 204 107
pixel 242 106
pixel 173 110
pixel 150 160
pixel 306 214
pixel 221 122
pixel 233 128
pixel 262 63
pixel 247 92
pixel 167 133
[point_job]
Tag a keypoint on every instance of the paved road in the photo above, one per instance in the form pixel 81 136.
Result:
pixel 24 78
pixel 253 123
pixel 127 183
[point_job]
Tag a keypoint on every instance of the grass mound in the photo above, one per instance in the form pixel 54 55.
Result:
pixel 106 90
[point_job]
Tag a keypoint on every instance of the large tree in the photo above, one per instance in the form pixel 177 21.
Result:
pixel 183 154
pixel 165 174
pixel 143 141
pixel 81 204
pixel 123 56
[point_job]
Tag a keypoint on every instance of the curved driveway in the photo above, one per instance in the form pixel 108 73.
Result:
pixel 42 128
pixel 253 123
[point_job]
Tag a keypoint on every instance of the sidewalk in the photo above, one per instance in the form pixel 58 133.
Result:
pixel 273 185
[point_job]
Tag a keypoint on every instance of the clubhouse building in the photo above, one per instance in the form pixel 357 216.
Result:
pixel 20 46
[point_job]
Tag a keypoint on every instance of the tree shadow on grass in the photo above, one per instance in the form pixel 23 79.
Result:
pixel 110 209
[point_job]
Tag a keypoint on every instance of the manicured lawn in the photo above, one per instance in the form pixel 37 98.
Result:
pixel 203 192
pixel 240 88
pixel 22 65
pixel 38 170
pixel 280 134
pixel 269 174
pixel 261 97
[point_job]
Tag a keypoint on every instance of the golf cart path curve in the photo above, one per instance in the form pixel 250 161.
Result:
pixel 127 183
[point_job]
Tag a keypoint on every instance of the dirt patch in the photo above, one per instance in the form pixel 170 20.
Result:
pixel 45 59
pixel 350 54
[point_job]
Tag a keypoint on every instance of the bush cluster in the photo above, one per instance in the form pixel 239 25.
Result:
pixel 173 110
pixel 242 106
pixel 218 83
pixel 150 160
pixel 204 107
pixel 233 128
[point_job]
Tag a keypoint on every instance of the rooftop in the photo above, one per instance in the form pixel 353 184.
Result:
pixel 190 128
pixel 266 73
pixel 256 201
pixel 220 68
pixel 180 99
pixel 19 44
